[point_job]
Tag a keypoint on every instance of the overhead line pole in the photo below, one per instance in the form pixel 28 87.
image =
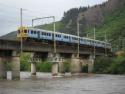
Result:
pixel 105 44
pixel 54 34
pixel 78 37
pixel 94 44
pixel 54 28
pixel 21 24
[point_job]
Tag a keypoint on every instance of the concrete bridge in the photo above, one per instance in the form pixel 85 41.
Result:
pixel 10 52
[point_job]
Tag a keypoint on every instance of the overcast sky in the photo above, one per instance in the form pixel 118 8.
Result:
pixel 9 15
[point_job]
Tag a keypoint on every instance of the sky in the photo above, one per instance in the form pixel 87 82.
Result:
pixel 10 11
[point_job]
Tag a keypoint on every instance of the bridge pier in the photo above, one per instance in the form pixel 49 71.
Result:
pixel 33 68
pixel 55 59
pixel 54 69
pixel 15 65
pixel 32 61
pixel 75 64
pixel 3 73
pixel 61 68
pixel 90 64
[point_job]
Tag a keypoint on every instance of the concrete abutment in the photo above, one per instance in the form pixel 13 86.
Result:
pixel 90 64
pixel 3 72
pixel 33 68
pixel 15 59
pixel 75 64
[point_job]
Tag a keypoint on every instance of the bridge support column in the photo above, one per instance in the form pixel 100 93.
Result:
pixel 54 69
pixel 61 67
pixel 55 59
pixel 90 64
pixel 15 66
pixel 33 68
pixel 3 73
pixel 75 64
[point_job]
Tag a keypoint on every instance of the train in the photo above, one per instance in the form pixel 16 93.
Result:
pixel 40 34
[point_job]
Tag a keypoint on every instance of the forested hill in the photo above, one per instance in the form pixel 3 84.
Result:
pixel 107 18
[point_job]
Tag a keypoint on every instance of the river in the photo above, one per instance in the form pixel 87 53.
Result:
pixel 46 84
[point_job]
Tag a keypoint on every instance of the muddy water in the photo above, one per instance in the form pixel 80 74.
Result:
pixel 45 84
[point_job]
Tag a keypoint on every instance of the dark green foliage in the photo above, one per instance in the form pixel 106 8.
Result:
pixel 101 64
pixel 110 65
pixel 24 64
pixel 67 66
pixel 85 69
pixel 41 67
pixel 8 66
pixel 69 21
pixel 44 67
pixel 50 26
pixel 118 67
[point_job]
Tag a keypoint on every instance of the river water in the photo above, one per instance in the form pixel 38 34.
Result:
pixel 46 84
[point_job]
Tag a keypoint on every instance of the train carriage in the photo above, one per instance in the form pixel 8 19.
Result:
pixel 40 34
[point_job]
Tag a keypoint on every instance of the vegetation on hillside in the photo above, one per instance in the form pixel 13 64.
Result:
pixel 107 18
pixel 109 65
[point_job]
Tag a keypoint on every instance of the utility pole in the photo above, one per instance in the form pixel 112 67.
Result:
pixel 78 37
pixel 94 44
pixel 54 29
pixel 32 22
pixel 21 25
pixel 105 44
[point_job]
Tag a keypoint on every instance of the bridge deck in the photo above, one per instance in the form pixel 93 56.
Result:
pixel 45 47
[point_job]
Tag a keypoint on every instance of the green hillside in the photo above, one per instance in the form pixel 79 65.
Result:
pixel 108 18
pixel 50 26
pixel 114 27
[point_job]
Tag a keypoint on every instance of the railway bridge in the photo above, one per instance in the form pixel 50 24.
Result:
pixel 10 52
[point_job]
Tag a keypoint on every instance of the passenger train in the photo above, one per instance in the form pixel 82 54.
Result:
pixel 39 34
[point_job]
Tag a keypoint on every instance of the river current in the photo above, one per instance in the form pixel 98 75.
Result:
pixel 44 83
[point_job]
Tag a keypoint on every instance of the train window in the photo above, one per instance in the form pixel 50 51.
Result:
pixel 73 38
pixel 25 31
pixel 18 31
pixel 42 33
pixel 66 37
pixel 48 34
pixel 31 32
pixel 34 32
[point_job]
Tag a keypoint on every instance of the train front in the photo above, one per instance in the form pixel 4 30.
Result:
pixel 22 33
